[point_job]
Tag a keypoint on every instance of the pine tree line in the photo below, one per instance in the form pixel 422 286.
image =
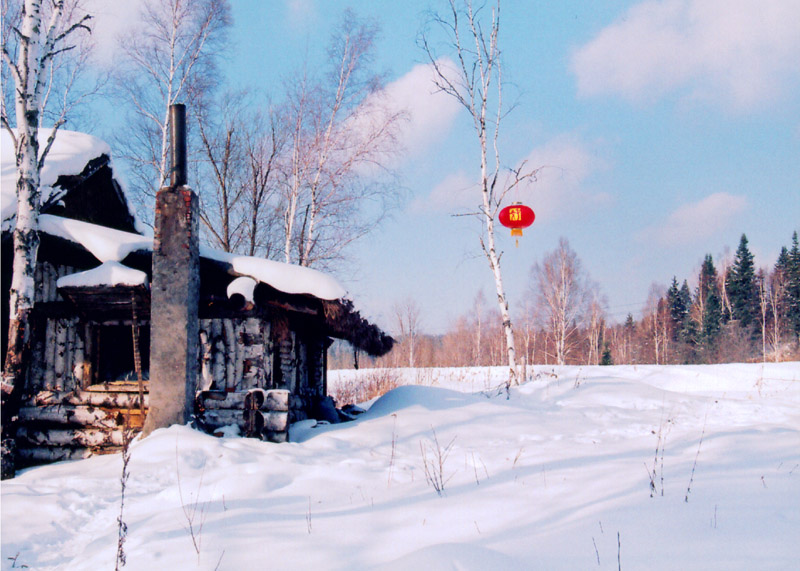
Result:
pixel 735 313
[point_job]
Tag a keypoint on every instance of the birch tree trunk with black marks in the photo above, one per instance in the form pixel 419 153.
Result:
pixel 39 42
pixel 475 81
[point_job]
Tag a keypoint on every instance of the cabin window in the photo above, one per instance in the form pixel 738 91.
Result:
pixel 115 354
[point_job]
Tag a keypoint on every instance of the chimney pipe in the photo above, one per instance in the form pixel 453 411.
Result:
pixel 177 121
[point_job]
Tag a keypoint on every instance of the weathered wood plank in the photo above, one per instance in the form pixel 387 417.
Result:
pixel 49 353
pixel 238 372
pixel 89 398
pixel 59 364
pixel 52 454
pixel 275 399
pixel 82 437
pixel 273 421
pixel 230 353
pixel 79 415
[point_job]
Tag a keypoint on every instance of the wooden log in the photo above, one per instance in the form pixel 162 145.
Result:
pixel 274 399
pixel 59 364
pixel 122 400
pixel 45 281
pixel 218 362
pixel 82 437
pixel 206 376
pixel 38 281
pixel 72 415
pixel 273 421
pixel 78 364
pixel 253 423
pixel 69 357
pixel 288 364
pixel 49 354
pixel 41 454
pixel 238 372
pixel 117 387
pixel 52 278
pixel 218 418
pixel 61 271
pixel 36 374
pixel 230 354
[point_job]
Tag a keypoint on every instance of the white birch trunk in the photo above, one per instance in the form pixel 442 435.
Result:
pixel 36 50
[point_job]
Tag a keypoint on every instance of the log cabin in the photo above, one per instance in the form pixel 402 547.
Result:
pixel 263 327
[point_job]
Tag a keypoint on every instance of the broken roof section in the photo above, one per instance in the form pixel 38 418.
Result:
pixel 77 180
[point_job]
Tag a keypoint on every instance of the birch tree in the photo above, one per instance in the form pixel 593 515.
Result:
pixel 168 57
pixel 44 34
pixel 342 134
pixel 475 82
pixel 407 314
pixel 264 142
pixel 220 172
pixel 562 292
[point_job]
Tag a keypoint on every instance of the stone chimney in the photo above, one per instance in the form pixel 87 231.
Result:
pixel 175 292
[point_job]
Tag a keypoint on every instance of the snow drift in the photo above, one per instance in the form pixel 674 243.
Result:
pixel 694 467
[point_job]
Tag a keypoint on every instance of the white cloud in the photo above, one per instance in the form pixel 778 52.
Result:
pixel 740 52
pixel 301 12
pixel 560 188
pixel 109 20
pixel 697 221
pixel 430 112
pixel 425 116
pixel 457 192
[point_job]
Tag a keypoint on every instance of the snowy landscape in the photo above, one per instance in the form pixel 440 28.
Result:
pixel 621 467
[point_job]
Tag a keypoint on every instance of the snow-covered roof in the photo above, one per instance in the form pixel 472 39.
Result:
pixel 105 244
pixel 69 155
pixel 109 245
pixel 288 278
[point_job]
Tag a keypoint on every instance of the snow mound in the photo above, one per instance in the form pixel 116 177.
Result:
pixel 105 244
pixel 106 274
pixel 585 467
pixel 288 278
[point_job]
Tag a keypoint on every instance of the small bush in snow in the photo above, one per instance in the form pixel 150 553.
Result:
pixel 367 386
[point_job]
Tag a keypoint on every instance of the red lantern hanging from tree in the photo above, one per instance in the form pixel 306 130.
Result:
pixel 516 216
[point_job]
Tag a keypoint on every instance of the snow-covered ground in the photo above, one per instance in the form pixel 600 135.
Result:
pixel 631 467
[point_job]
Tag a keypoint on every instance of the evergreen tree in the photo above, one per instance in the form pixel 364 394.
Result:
pixel 709 303
pixel 688 331
pixel 630 324
pixel 679 301
pixel 606 359
pixel 742 287
pixel 790 262
pixel 675 307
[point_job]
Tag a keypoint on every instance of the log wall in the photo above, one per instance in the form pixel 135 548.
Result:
pixel 59 347
pixel 67 425
pixel 70 414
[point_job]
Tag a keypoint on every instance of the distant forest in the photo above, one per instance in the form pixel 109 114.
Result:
pixel 732 312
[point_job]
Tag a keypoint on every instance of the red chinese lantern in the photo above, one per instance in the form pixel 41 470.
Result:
pixel 516 216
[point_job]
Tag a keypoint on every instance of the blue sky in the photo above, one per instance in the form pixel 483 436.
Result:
pixel 667 130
